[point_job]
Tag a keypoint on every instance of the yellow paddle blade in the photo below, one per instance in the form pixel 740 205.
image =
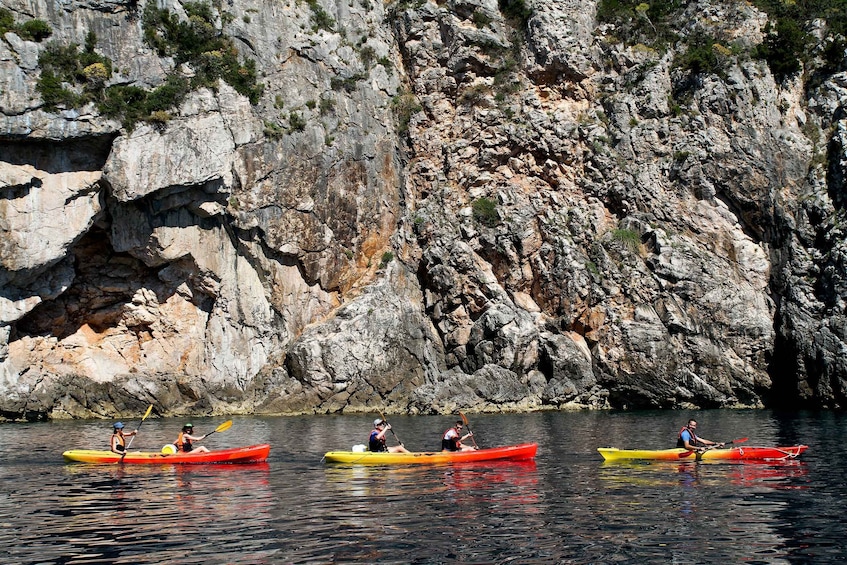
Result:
pixel 149 409
pixel 225 426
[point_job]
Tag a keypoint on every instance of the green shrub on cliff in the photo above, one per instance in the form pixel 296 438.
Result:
pixel 35 30
pixel 485 212
pixel 198 43
pixel 320 18
pixel 30 30
pixel 71 77
pixel 515 10
pixel 630 239
pixel 783 48
pixel 7 20
pixel 649 23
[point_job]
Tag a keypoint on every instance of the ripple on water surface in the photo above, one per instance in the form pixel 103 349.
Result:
pixel 567 506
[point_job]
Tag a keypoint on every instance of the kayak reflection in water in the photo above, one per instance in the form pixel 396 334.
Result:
pixel 376 441
pixel 689 440
pixel 453 438
pixel 184 440
pixel 118 443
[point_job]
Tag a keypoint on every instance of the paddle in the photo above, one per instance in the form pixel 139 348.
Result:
pixel 710 447
pixel 397 439
pixel 222 428
pixel 149 409
pixel 739 440
pixel 468 426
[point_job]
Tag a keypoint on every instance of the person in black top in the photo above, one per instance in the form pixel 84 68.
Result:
pixel 376 441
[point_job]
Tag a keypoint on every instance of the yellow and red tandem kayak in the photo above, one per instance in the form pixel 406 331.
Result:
pixel 510 452
pixel 680 454
pixel 251 454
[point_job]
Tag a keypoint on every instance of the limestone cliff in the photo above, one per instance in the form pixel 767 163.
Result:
pixel 418 206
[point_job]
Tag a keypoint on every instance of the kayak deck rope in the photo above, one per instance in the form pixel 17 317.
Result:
pixel 789 454
pixel 786 454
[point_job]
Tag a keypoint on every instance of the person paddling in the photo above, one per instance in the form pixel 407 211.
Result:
pixel 118 443
pixel 453 438
pixel 688 439
pixel 184 441
pixel 376 441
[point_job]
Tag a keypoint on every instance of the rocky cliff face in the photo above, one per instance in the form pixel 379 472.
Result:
pixel 421 207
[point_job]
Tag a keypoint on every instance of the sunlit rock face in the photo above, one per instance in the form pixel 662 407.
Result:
pixel 428 207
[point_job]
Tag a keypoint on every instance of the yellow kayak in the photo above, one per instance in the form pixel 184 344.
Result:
pixel 680 454
pixel 510 452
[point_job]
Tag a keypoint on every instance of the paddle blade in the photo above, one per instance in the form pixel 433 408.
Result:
pixel 468 426
pixel 149 409
pixel 225 426
pixel 739 440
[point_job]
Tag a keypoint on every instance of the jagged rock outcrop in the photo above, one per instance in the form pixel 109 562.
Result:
pixel 427 207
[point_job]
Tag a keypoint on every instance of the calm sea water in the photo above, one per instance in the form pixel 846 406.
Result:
pixel 567 506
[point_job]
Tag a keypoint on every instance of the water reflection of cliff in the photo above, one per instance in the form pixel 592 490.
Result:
pixel 782 475
pixel 388 480
pixel 402 513
pixel 154 509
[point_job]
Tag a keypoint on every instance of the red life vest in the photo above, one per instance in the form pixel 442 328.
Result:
pixel 183 443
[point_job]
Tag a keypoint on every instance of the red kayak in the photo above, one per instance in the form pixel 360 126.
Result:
pixel 251 454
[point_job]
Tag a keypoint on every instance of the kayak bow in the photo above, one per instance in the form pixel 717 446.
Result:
pixel 251 454
pixel 680 454
pixel 510 452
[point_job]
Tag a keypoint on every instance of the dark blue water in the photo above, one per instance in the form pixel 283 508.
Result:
pixel 565 507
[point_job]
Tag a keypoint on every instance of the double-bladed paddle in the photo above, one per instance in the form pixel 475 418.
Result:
pixel 468 426
pixel 739 440
pixel 149 409
pixel 710 447
pixel 221 428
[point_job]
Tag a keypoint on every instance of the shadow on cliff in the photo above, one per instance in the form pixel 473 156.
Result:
pixel 105 284
pixel 82 154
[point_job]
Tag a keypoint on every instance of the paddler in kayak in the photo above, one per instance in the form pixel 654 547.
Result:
pixel 376 441
pixel 184 441
pixel 453 438
pixel 118 443
pixel 689 440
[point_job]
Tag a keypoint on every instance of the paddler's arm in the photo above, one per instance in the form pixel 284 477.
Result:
pixel 710 443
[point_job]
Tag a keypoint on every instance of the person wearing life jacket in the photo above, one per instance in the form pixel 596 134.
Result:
pixel 688 439
pixel 376 441
pixel 453 438
pixel 118 443
pixel 184 440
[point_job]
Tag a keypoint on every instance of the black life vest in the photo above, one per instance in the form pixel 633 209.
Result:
pixel 376 443
pixel 451 443
pixel 694 441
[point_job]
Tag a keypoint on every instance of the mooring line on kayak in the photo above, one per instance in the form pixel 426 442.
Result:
pixel 789 455
pixel 786 454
